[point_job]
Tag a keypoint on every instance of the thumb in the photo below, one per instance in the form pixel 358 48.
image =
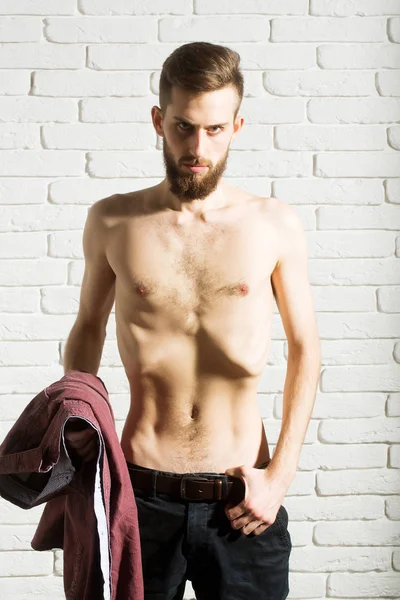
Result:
pixel 235 471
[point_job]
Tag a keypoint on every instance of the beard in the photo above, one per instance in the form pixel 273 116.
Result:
pixel 192 186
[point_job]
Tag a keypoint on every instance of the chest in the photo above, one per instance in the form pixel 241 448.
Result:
pixel 194 268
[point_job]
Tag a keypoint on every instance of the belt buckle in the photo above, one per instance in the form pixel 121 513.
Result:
pixel 217 486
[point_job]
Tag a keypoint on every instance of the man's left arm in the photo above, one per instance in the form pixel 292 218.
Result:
pixel 295 303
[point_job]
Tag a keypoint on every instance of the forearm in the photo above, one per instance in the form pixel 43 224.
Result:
pixel 302 376
pixel 84 348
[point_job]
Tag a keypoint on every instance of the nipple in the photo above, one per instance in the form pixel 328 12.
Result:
pixel 141 289
pixel 243 289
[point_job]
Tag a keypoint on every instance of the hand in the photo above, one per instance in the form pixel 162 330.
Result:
pixel 263 498
pixel 81 438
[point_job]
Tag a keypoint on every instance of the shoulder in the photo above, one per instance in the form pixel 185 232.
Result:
pixel 117 206
pixel 287 225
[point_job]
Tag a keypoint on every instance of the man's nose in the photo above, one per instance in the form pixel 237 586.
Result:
pixel 198 143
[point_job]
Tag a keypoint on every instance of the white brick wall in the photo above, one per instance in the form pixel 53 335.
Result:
pixel 322 107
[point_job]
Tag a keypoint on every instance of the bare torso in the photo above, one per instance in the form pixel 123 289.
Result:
pixel 193 309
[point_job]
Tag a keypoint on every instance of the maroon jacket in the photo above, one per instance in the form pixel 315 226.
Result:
pixel 91 511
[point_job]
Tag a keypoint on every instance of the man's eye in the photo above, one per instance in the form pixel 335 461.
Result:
pixel 189 126
pixel 217 127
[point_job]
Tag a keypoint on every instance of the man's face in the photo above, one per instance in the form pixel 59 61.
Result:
pixel 197 130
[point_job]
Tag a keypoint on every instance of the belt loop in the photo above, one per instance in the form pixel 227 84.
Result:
pixel 224 486
pixel 153 491
pixel 220 488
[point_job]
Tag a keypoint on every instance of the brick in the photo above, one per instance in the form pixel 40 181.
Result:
pixel 20 29
pixel 41 163
pixel 31 110
pixel 353 110
pixel 314 137
pixel 273 7
pixel 394 29
pixel 25 588
pixel 348 244
pixel 360 56
pixel 19 136
pixel 330 191
pixel 208 29
pixel 308 509
pixel 12 405
pixel 388 298
pixel 86 83
pixel 319 83
pixel 102 30
pixel 357 271
pixel 329 457
pixel 19 300
pixel 38 7
pixel 34 353
pixel 66 244
pixel 330 559
pixel 362 378
pixel 16 537
pixel 388 83
pixel 14 564
pixel 394 456
pixel 363 585
pixel 134 7
pixel 304 29
pixel 360 164
pixel 359 352
pixel 41 56
pixel 22 191
pixel 393 191
pixel 349 8
pixel 336 406
pixel 361 481
pixel 368 430
pixel 90 136
pixel 359 217
pixel 310 586
pixel 60 300
pixel 23 245
pixel 126 164
pixel 14 83
pixel 393 405
pixel 114 110
pixel 33 272
pixel 393 134
pixel 87 191
pixel 12 514
pixel 24 380
pixel 43 218
pixel 393 508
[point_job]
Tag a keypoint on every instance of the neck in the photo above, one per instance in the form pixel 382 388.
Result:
pixel 217 199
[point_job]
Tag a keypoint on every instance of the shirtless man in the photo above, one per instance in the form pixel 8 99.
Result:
pixel 193 265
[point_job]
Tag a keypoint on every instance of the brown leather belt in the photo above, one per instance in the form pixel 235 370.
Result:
pixel 189 487
pixel 186 487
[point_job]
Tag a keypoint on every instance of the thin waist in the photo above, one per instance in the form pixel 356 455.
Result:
pixel 187 474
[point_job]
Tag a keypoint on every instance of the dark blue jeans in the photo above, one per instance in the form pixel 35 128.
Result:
pixel 183 539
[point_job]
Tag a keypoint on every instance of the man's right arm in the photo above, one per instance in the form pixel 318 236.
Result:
pixel 85 342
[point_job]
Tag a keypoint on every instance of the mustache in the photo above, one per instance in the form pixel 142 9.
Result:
pixel 195 164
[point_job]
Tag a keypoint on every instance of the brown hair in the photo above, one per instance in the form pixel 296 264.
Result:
pixel 200 67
